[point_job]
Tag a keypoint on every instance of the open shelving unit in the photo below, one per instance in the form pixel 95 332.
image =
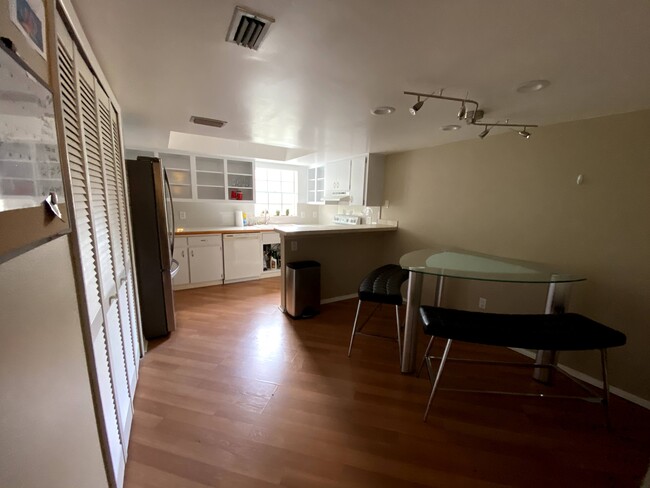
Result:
pixel 316 185
pixel 240 179
pixel 179 171
pixel 210 178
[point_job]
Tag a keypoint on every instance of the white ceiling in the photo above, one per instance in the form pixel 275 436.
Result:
pixel 326 63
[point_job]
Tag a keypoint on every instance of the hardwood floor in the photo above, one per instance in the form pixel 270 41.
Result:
pixel 243 396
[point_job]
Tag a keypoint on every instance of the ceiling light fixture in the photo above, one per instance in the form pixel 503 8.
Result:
pixel 473 117
pixel 450 127
pixel 207 121
pixel 485 132
pixel 384 110
pixel 417 106
pixel 533 86
pixel 463 110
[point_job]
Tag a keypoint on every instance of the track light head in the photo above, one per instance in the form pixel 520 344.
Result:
pixel 524 133
pixel 485 132
pixel 462 112
pixel 418 105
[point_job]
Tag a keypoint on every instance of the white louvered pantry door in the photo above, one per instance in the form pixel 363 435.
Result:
pixel 102 243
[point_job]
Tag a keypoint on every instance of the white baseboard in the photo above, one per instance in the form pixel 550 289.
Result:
pixel 338 299
pixel 592 381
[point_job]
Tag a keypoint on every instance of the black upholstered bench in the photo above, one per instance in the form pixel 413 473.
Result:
pixel 381 286
pixel 561 332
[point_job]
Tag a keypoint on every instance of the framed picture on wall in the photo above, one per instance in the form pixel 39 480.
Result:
pixel 29 16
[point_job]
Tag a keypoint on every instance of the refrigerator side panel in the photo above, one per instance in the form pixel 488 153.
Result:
pixel 164 244
pixel 146 243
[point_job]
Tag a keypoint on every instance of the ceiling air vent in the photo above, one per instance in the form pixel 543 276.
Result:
pixel 248 28
pixel 207 121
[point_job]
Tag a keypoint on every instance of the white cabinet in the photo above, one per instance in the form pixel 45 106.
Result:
pixel 316 181
pixel 178 167
pixel 367 180
pixel 337 179
pixel 181 255
pixel 205 259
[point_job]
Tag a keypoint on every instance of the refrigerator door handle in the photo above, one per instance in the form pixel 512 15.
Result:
pixel 175 267
pixel 171 204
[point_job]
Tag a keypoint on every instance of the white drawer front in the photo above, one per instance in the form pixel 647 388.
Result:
pixel 180 242
pixel 200 241
pixel 270 238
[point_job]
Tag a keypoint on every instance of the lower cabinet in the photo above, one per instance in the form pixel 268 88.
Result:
pixel 205 259
pixel 181 255
pixel 200 260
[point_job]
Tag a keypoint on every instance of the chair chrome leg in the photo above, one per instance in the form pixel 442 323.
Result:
pixel 603 364
pixel 438 376
pixel 426 353
pixel 354 328
pixel 399 336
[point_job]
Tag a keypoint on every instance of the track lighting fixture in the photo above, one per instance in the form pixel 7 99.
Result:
pixel 473 117
pixel 418 105
pixel 463 110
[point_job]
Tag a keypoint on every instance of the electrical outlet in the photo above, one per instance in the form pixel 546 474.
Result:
pixel 386 203
pixel 482 303
pixel 294 245
pixel 302 215
pixel 314 214
pixel 182 215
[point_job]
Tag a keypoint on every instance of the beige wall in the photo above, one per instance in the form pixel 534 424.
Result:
pixel 518 198
pixel 344 258
pixel 48 435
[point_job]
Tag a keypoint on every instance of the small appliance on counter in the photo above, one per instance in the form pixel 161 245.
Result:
pixel 341 219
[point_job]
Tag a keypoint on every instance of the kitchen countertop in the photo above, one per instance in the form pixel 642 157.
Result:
pixel 292 230
pixel 193 231
pixel 298 230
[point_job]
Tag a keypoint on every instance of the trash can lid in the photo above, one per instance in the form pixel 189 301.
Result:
pixel 303 264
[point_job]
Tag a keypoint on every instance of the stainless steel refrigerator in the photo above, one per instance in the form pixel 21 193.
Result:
pixel 152 219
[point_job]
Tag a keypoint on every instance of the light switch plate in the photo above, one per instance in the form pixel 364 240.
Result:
pixel 182 215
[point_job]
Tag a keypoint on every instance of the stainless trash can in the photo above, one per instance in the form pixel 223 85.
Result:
pixel 303 289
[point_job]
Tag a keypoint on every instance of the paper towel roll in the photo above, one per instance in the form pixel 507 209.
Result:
pixel 239 218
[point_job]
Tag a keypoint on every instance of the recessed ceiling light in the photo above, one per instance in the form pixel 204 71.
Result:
pixel 382 110
pixel 450 127
pixel 533 86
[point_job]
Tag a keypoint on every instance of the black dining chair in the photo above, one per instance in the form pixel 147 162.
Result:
pixel 381 286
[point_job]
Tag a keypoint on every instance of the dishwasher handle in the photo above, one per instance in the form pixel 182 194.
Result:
pixel 255 235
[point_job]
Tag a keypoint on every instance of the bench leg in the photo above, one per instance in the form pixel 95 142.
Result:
pixel 443 360
pixel 354 328
pixel 603 364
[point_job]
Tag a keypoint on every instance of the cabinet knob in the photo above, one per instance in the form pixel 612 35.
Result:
pixel 182 253
pixel 192 253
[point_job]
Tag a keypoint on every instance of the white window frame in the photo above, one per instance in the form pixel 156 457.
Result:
pixel 281 199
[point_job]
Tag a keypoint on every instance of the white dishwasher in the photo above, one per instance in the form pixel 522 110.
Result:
pixel 242 256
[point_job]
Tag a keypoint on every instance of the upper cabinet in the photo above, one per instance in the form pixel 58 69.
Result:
pixel 337 179
pixel 316 181
pixel 205 178
pixel 358 180
pixel 367 180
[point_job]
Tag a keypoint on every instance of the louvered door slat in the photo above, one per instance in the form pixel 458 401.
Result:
pixel 71 133
pixel 94 167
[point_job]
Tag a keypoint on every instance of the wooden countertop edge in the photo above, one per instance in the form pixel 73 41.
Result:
pixel 352 229
pixel 216 231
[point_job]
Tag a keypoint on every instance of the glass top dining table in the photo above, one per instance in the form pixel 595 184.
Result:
pixel 460 264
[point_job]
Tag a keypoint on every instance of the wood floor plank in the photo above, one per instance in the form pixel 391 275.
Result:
pixel 241 395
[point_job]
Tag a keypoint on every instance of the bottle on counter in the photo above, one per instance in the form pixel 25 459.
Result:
pixel 245 219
